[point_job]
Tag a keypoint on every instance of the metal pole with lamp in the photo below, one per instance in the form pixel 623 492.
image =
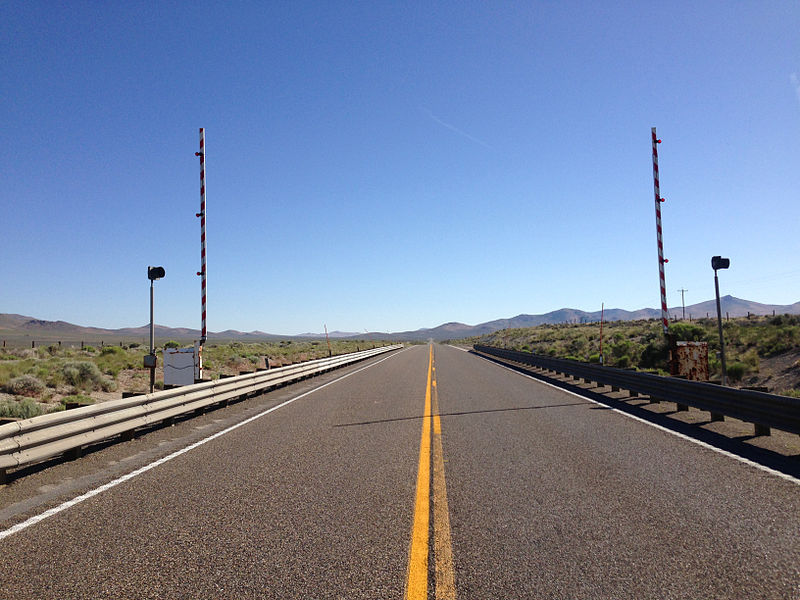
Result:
pixel 150 360
pixel 717 262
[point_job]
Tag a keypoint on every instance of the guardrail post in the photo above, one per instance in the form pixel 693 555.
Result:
pixel 614 388
pixel 3 477
pixel 632 394
pixel 74 453
pixel 762 429
pixel 681 407
pixel 717 417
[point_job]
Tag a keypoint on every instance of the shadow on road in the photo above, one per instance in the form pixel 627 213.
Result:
pixel 458 414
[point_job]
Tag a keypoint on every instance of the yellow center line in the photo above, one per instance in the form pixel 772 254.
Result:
pixel 442 546
pixel 417 577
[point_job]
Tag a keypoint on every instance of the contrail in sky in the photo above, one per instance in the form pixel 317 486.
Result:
pixel 796 84
pixel 456 129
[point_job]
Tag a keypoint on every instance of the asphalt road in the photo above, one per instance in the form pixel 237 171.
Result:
pixel 513 489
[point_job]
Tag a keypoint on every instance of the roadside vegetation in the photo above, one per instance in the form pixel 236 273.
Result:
pixel 35 381
pixel 759 351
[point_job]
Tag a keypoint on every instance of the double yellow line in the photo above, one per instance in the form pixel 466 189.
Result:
pixel 417 577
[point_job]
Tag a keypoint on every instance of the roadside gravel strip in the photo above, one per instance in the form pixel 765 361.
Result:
pixel 99 490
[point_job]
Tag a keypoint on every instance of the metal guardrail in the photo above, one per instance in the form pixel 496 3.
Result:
pixel 39 438
pixel 763 409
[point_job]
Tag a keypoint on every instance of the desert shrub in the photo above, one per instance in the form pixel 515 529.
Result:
pixel 85 375
pixel 578 345
pixel 172 344
pixel 79 398
pixel 621 348
pixel 594 358
pixel 20 409
pixel 109 350
pixel 654 355
pixel 736 371
pixel 783 320
pixel 134 345
pixel 689 332
pixel 750 358
pixel 623 362
pixel 25 385
pixel 91 349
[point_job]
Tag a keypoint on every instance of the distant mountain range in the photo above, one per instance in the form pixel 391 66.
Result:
pixel 16 327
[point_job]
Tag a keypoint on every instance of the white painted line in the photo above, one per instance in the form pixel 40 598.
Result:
pixel 683 436
pixel 457 348
pixel 70 503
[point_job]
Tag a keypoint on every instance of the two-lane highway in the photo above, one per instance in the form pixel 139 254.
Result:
pixel 428 473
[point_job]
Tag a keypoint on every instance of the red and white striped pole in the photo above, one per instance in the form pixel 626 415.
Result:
pixel 202 215
pixel 661 259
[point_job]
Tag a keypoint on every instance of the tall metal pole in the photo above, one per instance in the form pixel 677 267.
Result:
pixel 202 215
pixel 661 260
pixel 719 326
pixel 152 341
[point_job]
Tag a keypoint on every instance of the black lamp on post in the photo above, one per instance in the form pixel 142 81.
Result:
pixel 717 262
pixel 150 360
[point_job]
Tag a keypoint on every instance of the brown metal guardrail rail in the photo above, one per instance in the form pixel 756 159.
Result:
pixel 760 408
pixel 33 440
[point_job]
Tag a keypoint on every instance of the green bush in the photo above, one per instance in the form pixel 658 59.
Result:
pixel 79 398
pixel 90 349
pixel 20 409
pixel 25 385
pixel 85 375
pixel 172 344
pixel 689 332
pixel 107 350
pixel 736 371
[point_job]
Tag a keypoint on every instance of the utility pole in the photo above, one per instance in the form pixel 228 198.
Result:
pixel 683 304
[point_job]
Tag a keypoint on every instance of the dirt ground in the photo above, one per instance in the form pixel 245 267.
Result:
pixel 779 373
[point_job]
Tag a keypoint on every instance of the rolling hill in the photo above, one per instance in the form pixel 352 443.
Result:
pixel 19 327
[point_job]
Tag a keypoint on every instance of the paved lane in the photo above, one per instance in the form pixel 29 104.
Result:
pixel 551 496
pixel 313 500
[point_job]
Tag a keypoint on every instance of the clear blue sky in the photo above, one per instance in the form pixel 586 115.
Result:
pixel 389 166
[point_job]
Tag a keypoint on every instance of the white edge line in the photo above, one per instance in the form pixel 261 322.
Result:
pixel 683 436
pixel 70 503
pixel 457 348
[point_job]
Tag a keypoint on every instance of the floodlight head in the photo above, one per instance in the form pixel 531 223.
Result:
pixel 717 262
pixel 154 273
